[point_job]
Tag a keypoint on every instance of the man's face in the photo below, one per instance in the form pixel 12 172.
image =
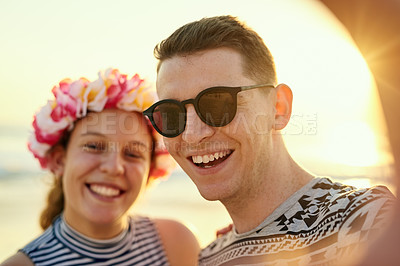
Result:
pixel 234 158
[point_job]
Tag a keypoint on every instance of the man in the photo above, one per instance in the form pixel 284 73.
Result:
pixel 221 113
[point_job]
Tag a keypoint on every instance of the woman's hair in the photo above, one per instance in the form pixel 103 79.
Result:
pixel 73 100
pixel 217 32
pixel 54 204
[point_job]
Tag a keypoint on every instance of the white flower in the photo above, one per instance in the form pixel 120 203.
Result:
pixel 77 91
pixel 95 96
pixel 46 123
pixel 138 99
pixel 39 149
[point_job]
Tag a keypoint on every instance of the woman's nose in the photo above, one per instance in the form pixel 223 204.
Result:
pixel 112 162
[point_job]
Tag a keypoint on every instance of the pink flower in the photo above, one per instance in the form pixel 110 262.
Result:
pixel 138 95
pixel 117 90
pixel 39 151
pixel 45 137
pixel 67 105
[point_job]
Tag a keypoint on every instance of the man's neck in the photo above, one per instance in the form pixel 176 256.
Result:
pixel 251 208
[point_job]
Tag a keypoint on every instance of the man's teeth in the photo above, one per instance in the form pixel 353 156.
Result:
pixel 210 157
pixel 104 190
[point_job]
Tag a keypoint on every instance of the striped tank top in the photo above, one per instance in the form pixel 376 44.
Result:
pixel 62 245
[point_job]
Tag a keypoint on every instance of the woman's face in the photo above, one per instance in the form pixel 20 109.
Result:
pixel 105 167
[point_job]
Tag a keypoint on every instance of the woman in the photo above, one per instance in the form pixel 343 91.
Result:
pixel 102 152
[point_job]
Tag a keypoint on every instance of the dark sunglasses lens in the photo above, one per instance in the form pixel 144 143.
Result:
pixel 169 118
pixel 217 107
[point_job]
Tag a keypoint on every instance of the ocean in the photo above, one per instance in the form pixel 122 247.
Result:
pixel 23 189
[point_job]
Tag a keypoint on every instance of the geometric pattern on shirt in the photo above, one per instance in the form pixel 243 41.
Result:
pixel 329 221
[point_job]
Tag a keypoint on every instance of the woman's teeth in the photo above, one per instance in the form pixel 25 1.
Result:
pixel 104 190
pixel 210 157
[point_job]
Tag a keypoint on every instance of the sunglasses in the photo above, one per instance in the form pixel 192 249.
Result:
pixel 215 106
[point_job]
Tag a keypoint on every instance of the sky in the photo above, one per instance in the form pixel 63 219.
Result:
pixel 337 118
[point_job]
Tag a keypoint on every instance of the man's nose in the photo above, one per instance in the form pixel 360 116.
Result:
pixel 195 129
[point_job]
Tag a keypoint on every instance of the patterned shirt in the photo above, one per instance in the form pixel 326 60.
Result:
pixel 62 245
pixel 319 224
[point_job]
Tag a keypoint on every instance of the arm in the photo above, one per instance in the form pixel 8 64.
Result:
pixel 179 243
pixel 19 259
pixel 374 26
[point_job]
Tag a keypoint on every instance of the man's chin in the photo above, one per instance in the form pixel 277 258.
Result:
pixel 210 194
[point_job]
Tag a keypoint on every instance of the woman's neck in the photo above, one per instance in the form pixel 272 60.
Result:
pixel 101 231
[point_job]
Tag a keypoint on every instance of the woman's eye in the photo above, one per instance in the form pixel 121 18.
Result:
pixel 132 153
pixel 93 147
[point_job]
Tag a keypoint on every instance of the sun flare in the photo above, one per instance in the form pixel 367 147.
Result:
pixel 337 116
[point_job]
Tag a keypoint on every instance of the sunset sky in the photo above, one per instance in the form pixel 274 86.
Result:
pixel 337 116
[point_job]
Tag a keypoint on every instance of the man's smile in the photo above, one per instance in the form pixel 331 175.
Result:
pixel 211 159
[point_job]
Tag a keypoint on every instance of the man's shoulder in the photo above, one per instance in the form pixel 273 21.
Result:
pixel 326 217
pixel 334 195
pixel 329 202
pixel 374 196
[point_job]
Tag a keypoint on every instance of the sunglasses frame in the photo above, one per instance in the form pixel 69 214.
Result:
pixel 233 91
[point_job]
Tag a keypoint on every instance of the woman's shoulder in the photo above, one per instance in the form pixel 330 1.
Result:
pixel 19 259
pixel 180 243
pixel 43 241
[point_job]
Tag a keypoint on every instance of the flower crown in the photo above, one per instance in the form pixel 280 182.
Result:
pixel 73 100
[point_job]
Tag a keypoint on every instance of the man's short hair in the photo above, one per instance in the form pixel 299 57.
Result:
pixel 217 32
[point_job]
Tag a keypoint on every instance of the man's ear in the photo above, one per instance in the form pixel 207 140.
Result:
pixel 283 106
pixel 56 160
